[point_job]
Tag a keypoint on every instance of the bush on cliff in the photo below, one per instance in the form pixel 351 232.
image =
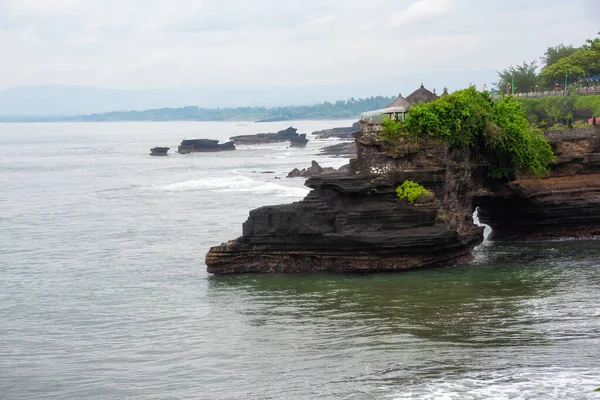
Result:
pixel 495 130
pixel 562 109
pixel 411 191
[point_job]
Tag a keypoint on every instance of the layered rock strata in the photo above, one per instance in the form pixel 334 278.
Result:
pixel 354 222
pixel 566 203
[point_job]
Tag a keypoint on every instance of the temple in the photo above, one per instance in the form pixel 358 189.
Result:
pixel 398 108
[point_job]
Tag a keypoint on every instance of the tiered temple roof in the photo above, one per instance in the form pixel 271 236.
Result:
pixel 401 104
pixel 421 95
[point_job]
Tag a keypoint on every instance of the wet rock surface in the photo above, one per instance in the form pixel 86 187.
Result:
pixel 566 203
pixel 341 133
pixel 354 222
pixel 345 149
pixel 290 134
pixel 203 146
pixel 159 151
pixel 314 170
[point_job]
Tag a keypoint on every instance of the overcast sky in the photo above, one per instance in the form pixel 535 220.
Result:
pixel 130 44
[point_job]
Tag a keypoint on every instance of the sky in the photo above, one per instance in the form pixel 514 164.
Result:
pixel 144 44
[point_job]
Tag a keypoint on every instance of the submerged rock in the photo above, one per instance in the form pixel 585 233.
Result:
pixel 204 145
pixel 159 151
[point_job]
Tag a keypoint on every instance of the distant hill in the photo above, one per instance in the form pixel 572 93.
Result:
pixel 61 100
pixel 351 108
pixel 55 100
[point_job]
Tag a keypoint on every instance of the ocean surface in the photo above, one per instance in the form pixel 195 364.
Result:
pixel 104 293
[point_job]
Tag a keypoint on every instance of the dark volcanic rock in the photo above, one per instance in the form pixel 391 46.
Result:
pixel 345 149
pixel 159 151
pixel 566 203
pixel 300 141
pixel 355 222
pixel 204 145
pixel 342 133
pixel 289 134
pixel 314 170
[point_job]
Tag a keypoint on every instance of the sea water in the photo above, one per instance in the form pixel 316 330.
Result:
pixel 104 292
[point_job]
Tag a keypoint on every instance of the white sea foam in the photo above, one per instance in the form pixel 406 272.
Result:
pixel 522 386
pixel 235 183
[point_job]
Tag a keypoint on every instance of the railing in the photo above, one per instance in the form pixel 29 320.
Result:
pixel 583 91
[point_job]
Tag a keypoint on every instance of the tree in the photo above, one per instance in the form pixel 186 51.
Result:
pixel 525 77
pixel 553 54
pixel 583 62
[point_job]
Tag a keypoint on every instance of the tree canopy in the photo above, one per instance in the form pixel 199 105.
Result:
pixel 558 63
pixel 525 77
pixel 496 130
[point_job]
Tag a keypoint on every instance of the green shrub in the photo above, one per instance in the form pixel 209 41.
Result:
pixel 391 129
pixel 496 130
pixel 411 191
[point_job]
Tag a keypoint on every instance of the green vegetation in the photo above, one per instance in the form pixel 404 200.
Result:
pixel 411 191
pixel 560 109
pixel 496 130
pixel 390 127
pixel 577 64
pixel 351 108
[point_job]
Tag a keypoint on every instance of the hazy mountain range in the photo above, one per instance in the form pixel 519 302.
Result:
pixel 53 100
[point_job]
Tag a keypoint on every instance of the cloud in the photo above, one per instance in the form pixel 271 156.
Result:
pixel 422 10
pixel 144 44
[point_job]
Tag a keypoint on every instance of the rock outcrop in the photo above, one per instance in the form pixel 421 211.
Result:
pixel 159 151
pixel 340 133
pixel 344 149
pixel 352 222
pixel 299 141
pixel 566 203
pixel 315 170
pixel 289 134
pixel 203 146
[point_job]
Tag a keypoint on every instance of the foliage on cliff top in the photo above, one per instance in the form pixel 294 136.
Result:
pixel 496 130
pixel 560 109
pixel 411 191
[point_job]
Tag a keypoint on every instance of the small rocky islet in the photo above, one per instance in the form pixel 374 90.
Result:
pixel 210 145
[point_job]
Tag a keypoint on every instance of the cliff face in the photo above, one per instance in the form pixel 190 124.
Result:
pixel 355 222
pixel 566 203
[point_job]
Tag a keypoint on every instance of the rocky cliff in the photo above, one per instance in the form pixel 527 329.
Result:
pixel 355 222
pixel 566 203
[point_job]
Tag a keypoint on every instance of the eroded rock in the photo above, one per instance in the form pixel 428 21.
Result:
pixel 203 146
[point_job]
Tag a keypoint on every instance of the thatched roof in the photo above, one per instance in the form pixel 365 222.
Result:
pixel 400 105
pixel 400 102
pixel 421 95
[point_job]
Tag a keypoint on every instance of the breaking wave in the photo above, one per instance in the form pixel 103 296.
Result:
pixel 236 183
